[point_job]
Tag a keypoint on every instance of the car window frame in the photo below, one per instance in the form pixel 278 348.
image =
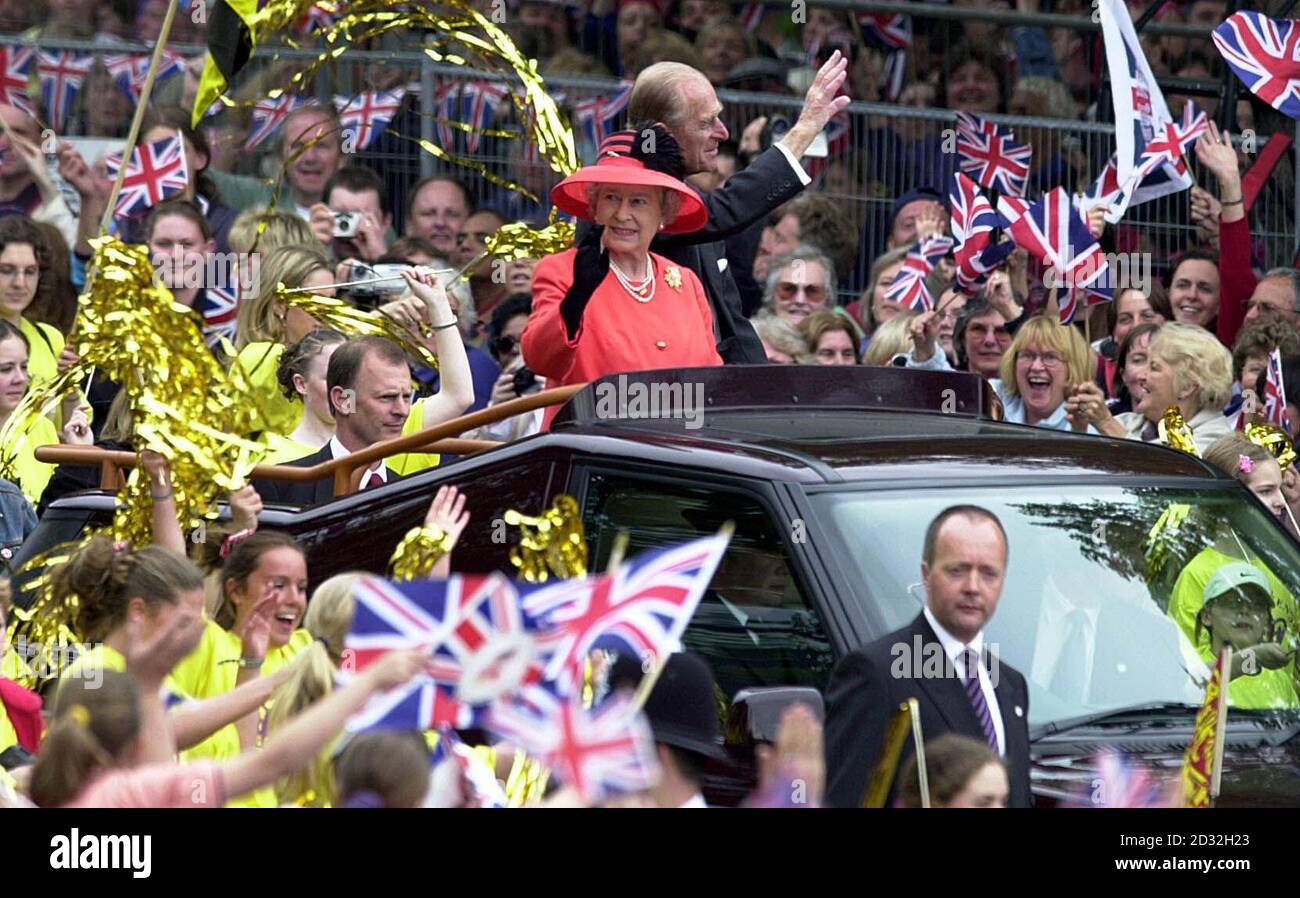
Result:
pixel 772 497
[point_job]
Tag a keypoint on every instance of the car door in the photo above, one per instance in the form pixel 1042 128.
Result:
pixel 755 623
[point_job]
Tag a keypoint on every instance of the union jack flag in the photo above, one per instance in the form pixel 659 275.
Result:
pixel 751 15
pixel 156 171
pixel 1265 54
pixel 268 115
pixel 1054 233
pixel 608 750
pixel 1122 783
pixel 15 70
pixel 599 117
pixel 367 114
pixel 1275 392
pixel 1171 143
pixel 221 312
pixel 909 287
pixel 1107 188
pixel 61 75
pixel 892 35
pixel 473 630
pixel 472 102
pixel 991 156
pixel 131 71
pixel 642 608
pixel 479 785
pixel 317 19
pixel 886 31
pixel 973 222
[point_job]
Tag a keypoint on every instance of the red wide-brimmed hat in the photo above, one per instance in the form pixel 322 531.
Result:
pixel 615 165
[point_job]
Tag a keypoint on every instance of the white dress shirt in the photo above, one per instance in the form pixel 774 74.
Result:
pixel 804 178
pixel 695 801
pixel 955 649
pixel 338 450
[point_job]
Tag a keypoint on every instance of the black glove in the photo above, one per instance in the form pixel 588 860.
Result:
pixel 590 266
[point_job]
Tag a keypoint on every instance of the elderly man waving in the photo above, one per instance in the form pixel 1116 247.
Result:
pixel 682 99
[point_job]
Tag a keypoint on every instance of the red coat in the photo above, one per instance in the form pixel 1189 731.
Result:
pixel 618 333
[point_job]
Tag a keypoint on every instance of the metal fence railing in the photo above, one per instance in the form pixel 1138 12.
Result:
pixel 882 150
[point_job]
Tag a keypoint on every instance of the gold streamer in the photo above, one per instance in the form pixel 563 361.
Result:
pixel 418 552
pixel 1175 433
pixel 45 633
pixel 456 33
pixel 1275 440
pixel 345 318
pixel 553 543
pixel 184 404
pixel 1166 533
pixel 526 783
pixel 518 241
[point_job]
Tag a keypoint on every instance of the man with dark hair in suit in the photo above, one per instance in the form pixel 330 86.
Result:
pixel 682 99
pixel 940 659
pixel 369 388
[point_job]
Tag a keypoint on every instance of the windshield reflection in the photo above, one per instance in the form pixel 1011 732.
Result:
pixel 1105 600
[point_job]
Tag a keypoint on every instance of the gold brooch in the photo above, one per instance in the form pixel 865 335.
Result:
pixel 673 277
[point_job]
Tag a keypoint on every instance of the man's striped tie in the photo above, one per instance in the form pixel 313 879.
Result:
pixel 976 696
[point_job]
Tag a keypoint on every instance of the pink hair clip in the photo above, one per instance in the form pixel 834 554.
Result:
pixel 1245 464
pixel 233 540
pixel 121 546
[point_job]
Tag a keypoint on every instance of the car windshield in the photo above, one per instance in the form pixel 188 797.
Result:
pixel 1104 604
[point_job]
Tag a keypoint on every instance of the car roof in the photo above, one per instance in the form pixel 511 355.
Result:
pixel 812 423
pixel 808 424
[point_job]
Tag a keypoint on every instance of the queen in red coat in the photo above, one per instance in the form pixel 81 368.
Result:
pixel 610 305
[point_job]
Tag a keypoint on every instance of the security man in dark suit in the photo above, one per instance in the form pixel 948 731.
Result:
pixel 682 99
pixel 940 659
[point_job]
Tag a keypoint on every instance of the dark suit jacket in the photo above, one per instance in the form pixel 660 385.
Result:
pixel 747 197
pixel 285 492
pixel 864 693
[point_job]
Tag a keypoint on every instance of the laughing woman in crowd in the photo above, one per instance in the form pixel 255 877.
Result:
pixel 1187 369
pixel 1044 364
pixel 610 305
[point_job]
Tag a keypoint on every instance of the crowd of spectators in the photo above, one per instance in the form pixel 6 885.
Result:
pixel 811 274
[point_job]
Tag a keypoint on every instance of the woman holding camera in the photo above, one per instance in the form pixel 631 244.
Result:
pixel 610 305
pixel 267 327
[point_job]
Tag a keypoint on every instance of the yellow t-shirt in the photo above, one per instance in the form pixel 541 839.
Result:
pixel 413 462
pixel 284 450
pixel 18 458
pixel 276 413
pixel 1188 596
pixel 101 657
pixel 44 345
pixel 210 671
pixel 8 735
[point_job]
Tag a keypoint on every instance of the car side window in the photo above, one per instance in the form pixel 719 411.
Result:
pixel 754 625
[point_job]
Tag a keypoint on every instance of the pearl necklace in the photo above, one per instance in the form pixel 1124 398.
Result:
pixel 642 290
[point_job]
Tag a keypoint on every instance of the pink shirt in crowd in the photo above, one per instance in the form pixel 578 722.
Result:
pixel 156 786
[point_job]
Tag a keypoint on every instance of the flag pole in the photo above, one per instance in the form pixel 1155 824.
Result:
pixel 906 719
pixel 137 120
pixel 913 708
pixel 1220 724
